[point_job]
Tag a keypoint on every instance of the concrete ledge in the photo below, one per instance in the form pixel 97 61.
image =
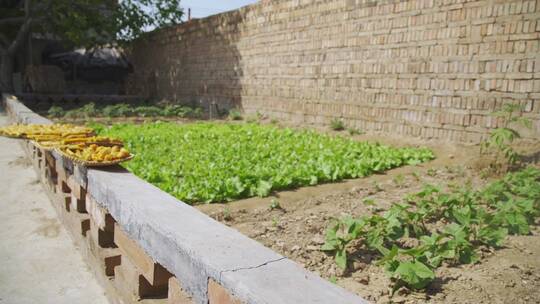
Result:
pixel 194 248
pixel 19 113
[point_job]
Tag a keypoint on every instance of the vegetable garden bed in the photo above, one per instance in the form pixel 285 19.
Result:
pixel 423 233
pixel 217 162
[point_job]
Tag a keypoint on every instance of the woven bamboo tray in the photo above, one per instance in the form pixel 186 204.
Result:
pixel 42 147
pixel 95 163
pixel 60 145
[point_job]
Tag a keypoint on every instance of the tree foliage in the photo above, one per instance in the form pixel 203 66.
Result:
pixel 88 22
pixel 79 22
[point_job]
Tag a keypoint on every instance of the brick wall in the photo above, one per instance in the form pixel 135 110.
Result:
pixel 423 68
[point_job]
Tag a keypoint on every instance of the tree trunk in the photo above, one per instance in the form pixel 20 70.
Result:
pixel 8 55
pixel 6 73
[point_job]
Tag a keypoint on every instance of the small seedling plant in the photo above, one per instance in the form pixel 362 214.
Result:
pixel 354 131
pixel 235 114
pixel 275 205
pixel 501 139
pixel 337 124
pixel 447 226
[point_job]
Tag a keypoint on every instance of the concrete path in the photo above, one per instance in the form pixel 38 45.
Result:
pixel 38 261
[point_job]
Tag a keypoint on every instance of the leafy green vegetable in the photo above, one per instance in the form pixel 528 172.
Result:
pixel 339 235
pixel 406 268
pixel 214 162
pixel 414 274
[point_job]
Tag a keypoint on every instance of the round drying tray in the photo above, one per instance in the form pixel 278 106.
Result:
pixel 95 163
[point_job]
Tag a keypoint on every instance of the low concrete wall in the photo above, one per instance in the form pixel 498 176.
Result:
pixel 143 243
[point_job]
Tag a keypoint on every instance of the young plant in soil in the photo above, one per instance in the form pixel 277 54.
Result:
pixel 354 131
pixel 235 114
pixel 274 205
pixel 447 227
pixel 337 124
pixel 501 139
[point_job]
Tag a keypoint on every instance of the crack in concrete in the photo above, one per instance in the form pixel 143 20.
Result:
pixel 251 267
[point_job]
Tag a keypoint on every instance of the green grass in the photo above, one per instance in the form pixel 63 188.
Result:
pixel 213 162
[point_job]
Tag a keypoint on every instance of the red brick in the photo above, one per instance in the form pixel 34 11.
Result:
pixel 106 258
pixel 99 215
pixel 62 186
pixel 104 238
pixel 156 274
pixel 77 190
pixel 132 284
